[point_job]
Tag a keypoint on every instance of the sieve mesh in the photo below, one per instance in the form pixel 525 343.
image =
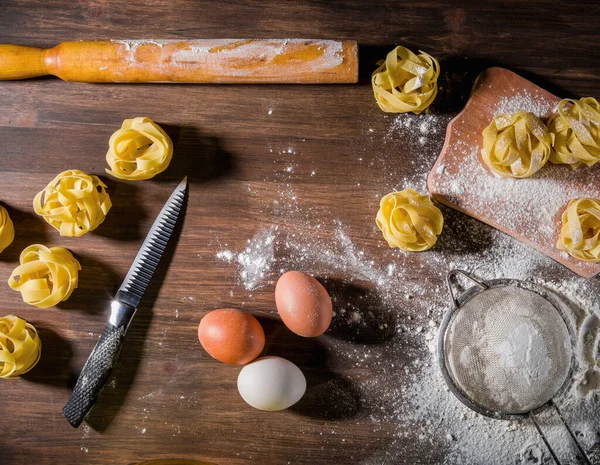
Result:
pixel 508 349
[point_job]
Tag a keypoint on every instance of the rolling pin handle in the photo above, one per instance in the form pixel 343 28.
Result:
pixel 21 62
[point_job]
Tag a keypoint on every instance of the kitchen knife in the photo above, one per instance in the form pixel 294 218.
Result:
pixel 97 369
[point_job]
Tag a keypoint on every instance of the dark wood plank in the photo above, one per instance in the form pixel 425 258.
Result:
pixel 168 398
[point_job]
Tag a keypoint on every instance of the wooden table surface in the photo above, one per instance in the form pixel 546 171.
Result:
pixel 324 153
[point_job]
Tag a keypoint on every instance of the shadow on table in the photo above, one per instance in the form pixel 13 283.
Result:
pixel 462 235
pixel 360 314
pixel 197 155
pixel 328 394
pixel 115 393
pixel 29 229
pixel 97 285
pixel 457 75
pixel 54 367
pixel 122 223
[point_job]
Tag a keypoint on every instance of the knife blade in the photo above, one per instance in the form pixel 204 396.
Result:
pixel 97 368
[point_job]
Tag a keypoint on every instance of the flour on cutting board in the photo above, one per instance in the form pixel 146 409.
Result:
pixel 529 206
pixel 532 102
pixel 518 203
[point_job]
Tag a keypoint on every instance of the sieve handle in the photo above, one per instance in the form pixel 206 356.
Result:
pixel 450 282
pixel 548 424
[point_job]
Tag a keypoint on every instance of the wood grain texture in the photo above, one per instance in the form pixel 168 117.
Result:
pixel 169 399
pixel 464 140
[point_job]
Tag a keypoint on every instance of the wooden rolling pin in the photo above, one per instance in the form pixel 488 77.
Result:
pixel 225 61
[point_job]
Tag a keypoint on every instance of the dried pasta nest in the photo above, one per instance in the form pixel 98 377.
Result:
pixel 139 150
pixel 517 145
pixel 409 220
pixel 74 203
pixel 20 346
pixel 576 129
pixel 46 276
pixel 405 82
pixel 580 232
pixel 7 229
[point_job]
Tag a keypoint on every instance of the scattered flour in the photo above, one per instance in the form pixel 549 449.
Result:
pixel 256 259
pixel 226 255
pixel 423 125
pixel 415 395
pixel 422 134
pixel 85 435
pixel 382 311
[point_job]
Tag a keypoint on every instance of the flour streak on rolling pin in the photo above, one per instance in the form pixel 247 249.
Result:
pixel 225 61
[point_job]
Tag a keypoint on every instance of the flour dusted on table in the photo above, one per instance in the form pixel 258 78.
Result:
pixel 255 259
pixel 388 305
pixel 413 394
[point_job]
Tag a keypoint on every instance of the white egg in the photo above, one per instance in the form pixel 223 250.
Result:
pixel 271 383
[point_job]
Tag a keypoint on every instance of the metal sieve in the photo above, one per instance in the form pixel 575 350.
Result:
pixel 505 350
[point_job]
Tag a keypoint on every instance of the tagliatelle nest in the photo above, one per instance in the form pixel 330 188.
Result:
pixel 576 129
pixel 139 150
pixel 580 232
pixel 517 145
pixel 20 346
pixel 405 82
pixel 46 276
pixel 74 203
pixel 409 220
pixel 7 229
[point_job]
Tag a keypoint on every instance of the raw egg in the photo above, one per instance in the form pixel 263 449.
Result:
pixel 231 336
pixel 303 304
pixel 271 383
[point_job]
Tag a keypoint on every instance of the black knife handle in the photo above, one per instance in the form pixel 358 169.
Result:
pixel 94 375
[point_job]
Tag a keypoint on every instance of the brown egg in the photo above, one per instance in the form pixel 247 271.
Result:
pixel 303 304
pixel 231 336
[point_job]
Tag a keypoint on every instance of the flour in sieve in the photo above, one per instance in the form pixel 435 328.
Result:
pixel 524 350
pixel 508 349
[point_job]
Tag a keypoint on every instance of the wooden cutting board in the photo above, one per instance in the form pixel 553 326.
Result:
pixel 528 209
